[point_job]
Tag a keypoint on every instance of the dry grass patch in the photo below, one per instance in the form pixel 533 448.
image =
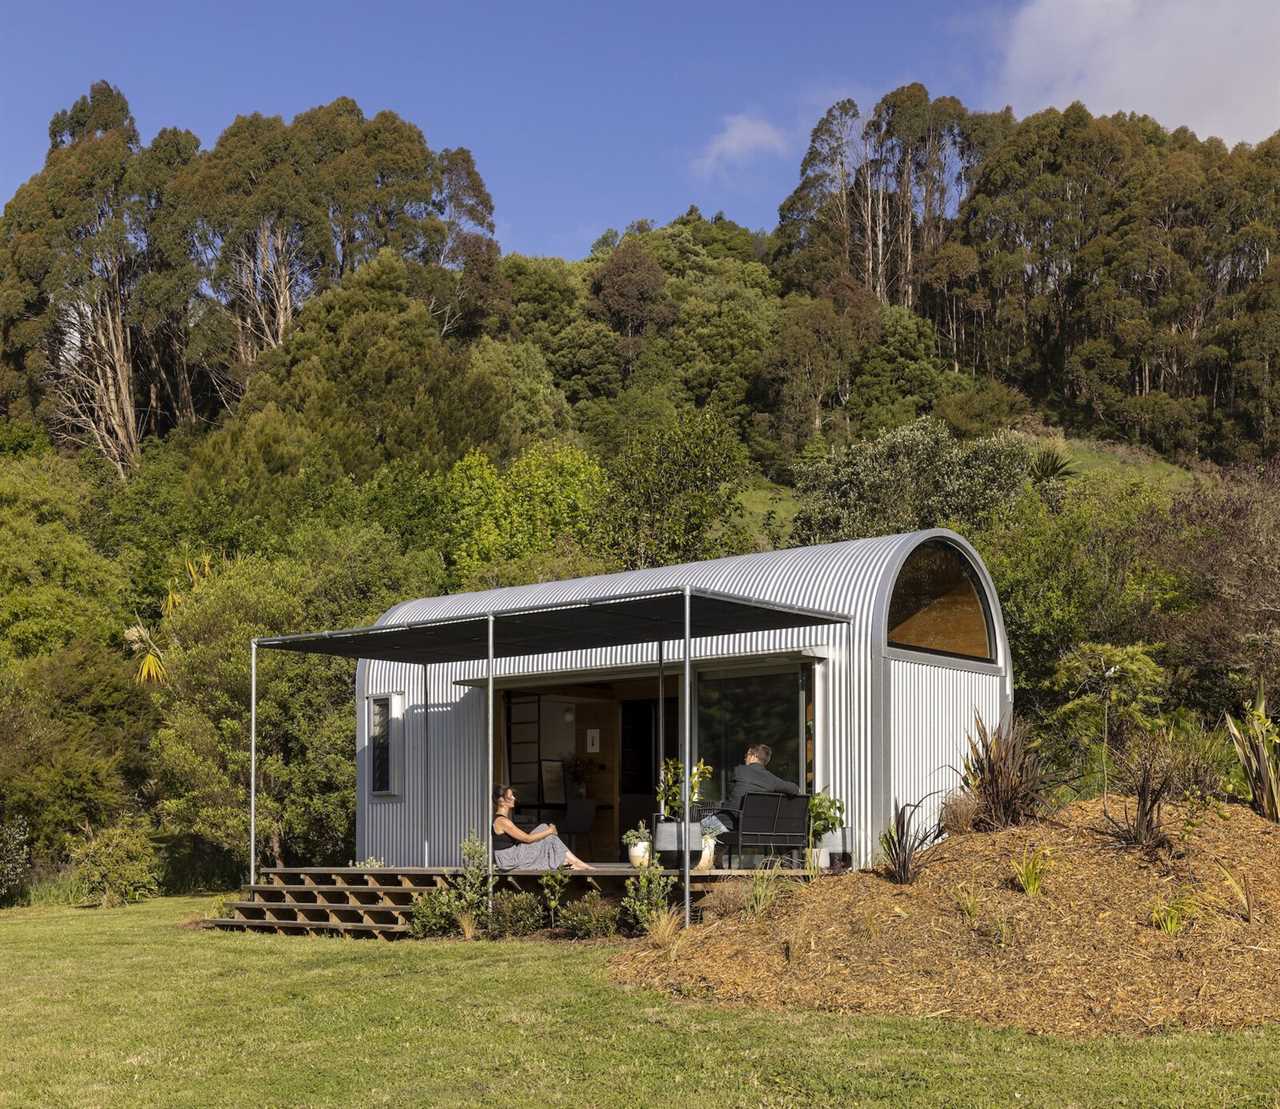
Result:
pixel 1081 959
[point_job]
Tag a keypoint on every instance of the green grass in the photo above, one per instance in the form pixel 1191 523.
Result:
pixel 1090 456
pixel 125 1007
pixel 765 496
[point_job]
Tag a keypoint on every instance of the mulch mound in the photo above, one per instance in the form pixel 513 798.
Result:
pixel 1081 959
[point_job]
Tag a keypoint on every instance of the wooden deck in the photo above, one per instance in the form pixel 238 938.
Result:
pixel 378 903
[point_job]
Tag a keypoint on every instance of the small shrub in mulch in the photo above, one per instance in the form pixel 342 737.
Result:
pixel 591 917
pixel 515 913
pixel 1094 953
pixel 435 913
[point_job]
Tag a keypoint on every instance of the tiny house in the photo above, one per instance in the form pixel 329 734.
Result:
pixel 862 664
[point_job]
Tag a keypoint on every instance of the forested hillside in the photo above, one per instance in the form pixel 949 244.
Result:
pixel 281 379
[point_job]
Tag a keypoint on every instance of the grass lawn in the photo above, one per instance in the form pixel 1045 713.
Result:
pixel 127 1007
pixel 1132 462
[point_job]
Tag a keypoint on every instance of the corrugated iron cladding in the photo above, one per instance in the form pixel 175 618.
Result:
pixel 444 744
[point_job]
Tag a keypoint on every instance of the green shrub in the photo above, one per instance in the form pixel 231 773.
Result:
pixel 435 913
pixel 57 887
pixel 15 857
pixel 515 913
pixel 474 886
pixel 119 864
pixel 648 894
pixel 590 917
pixel 554 884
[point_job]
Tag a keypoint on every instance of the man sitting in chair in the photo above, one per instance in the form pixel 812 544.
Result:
pixel 752 776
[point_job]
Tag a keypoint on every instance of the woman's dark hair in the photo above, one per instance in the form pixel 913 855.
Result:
pixel 498 792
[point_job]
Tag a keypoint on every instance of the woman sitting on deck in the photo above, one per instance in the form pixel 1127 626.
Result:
pixel 515 849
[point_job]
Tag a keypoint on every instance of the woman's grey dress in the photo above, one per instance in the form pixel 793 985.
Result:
pixel 546 854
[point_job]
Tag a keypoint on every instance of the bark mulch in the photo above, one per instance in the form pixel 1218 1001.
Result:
pixel 1081 959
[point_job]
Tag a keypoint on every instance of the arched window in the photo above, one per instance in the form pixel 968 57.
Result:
pixel 939 605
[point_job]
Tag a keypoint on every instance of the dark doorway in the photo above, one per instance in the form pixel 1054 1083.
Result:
pixel 638 756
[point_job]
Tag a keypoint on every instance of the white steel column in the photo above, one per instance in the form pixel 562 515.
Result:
pixel 688 744
pixel 253 762
pixel 488 724
pixel 662 731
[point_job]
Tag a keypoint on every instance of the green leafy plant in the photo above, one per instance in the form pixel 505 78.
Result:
pixel 671 779
pixel 1175 914
pixel 554 884
pixel 118 864
pixel 15 857
pixel 1003 772
pixel 515 913
pixel 435 913
pixel 1029 871
pixel 1257 743
pixel 637 835
pixel 902 844
pixel 826 815
pixel 648 894
pixel 474 885
pixel 590 917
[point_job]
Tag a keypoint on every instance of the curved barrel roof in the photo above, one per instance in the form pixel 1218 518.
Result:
pixel 841 578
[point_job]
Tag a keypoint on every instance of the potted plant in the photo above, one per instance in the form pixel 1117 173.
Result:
pixel 639 844
pixel 666 828
pixel 826 815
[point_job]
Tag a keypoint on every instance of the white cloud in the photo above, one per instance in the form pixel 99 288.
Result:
pixel 1209 65
pixel 742 138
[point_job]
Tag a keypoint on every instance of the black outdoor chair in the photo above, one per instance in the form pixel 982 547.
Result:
pixel 775 823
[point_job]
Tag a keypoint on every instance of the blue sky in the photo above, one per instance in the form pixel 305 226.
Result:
pixel 586 116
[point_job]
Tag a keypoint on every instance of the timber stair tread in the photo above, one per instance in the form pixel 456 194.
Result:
pixel 230 924
pixel 320 907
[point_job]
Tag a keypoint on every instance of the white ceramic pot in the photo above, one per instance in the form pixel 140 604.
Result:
pixel 819 858
pixel 639 853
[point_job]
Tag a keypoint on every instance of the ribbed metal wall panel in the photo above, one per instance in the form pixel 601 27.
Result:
pixel 445 746
pixel 932 709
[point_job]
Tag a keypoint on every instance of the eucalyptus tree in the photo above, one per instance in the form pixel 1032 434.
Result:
pixel 95 298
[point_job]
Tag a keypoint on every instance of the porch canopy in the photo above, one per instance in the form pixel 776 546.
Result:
pixel 658 616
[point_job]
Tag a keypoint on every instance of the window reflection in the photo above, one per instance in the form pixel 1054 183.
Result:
pixel 937 605
pixel 735 711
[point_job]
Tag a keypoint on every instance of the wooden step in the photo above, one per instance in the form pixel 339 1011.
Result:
pixel 385 931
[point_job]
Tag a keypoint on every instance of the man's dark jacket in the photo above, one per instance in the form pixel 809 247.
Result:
pixel 751 777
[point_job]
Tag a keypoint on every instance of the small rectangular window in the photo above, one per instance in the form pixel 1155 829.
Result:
pixel 380 744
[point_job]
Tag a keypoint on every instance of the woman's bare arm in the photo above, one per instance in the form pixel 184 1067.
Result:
pixel 502 824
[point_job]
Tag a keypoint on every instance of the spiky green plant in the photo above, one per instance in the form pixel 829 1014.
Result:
pixel 1174 915
pixel 1003 772
pixel 1050 464
pixel 1030 870
pixel 902 844
pixel 1257 743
